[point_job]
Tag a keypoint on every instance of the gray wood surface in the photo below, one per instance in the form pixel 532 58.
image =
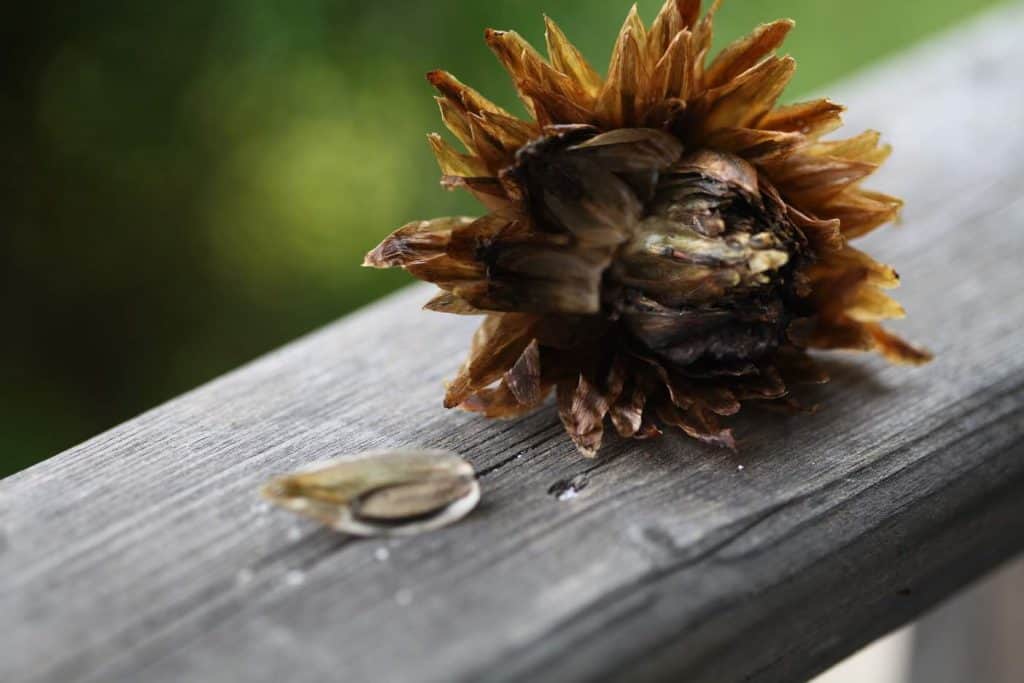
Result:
pixel 145 554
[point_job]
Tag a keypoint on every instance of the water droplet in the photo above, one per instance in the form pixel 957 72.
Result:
pixel 381 554
pixel 294 534
pixel 565 490
pixel 244 577
pixel 383 493
pixel 295 577
pixel 740 468
pixel 403 597
pixel 261 508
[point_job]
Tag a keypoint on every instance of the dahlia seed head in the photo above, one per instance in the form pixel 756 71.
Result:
pixel 663 244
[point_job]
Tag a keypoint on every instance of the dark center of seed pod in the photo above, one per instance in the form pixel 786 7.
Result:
pixel 701 258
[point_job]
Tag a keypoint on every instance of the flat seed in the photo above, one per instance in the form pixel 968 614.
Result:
pixel 382 493
pixel 412 500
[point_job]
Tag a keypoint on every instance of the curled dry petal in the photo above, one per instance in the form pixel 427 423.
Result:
pixel 568 60
pixel 810 119
pixel 582 407
pixel 747 52
pixel 524 378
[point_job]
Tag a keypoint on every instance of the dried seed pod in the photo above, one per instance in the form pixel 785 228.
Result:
pixel 663 244
pixel 381 493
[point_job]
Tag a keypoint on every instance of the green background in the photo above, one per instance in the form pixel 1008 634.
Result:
pixel 190 184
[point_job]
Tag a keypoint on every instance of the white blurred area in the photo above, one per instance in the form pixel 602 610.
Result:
pixel 975 637
pixel 885 661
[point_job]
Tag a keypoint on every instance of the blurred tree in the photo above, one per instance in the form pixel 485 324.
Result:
pixel 187 185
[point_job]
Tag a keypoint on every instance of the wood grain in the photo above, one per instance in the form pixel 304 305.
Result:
pixel 145 554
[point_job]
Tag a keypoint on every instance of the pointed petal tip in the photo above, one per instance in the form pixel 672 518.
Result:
pixel 728 442
pixel 374 258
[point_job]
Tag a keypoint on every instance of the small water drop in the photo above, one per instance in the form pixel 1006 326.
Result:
pixel 261 508
pixel 566 490
pixel 295 577
pixel 403 597
pixel 740 468
pixel 381 554
pixel 244 577
pixel 294 533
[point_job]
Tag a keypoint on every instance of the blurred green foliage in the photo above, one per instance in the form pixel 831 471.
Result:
pixel 190 184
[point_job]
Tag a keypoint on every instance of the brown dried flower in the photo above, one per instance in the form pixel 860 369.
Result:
pixel 662 244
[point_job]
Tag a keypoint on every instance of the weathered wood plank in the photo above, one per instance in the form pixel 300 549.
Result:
pixel 144 553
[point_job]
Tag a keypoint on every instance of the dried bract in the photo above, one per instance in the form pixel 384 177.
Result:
pixel 663 244
pixel 383 493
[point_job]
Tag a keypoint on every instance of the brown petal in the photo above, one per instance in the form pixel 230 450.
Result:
pixel 851 336
pixel 689 11
pixel 616 105
pixel 725 168
pixel 543 89
pixel 648 428
pixel 895 349
pixel 813 119
pixel 593 204
pixel 850 259
pixel 511 132
pixel 767 385
pixel 446 302
pixel 824 235
pixel 747 52
pixel 497 344
pixel 860 211
pixel 864 147
pixel 672 76
pixel 488 191
pixel 703 33
pixel 811 181
pixel 666 26
pixel 742 102
pixel 458 92
pixel 456 164
pixel 687 394
pixel 699 424
pixel 490 151
pixel 466 241
pixel 552 107
pixel 582 407
pixel 567 59
pixel 627 150
pixel 871 305
pixel 500 403
pixel 535 296
pixel 718 400
pixel 799 368
pixel 415 242
pixel 454 118
pixel 524 378
pixel 571 276
pixel 446 272
pixel 756 146
pixel 627 412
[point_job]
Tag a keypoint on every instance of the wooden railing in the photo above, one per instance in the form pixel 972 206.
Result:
pixel 146 555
